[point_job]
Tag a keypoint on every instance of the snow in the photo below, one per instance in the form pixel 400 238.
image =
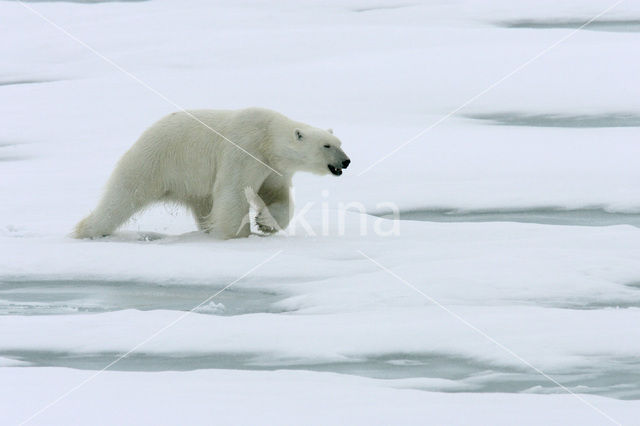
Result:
pixel 339 326
pixel 220 396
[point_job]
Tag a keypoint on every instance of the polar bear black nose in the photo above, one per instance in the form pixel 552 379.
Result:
pixel 346 163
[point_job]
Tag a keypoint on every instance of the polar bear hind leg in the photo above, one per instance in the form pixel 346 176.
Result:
pixel 120 201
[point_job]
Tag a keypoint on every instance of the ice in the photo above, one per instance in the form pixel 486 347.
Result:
pixel 517 252
pixel 618 25
pixel 558 120
pixel 548 216
pixel 48 297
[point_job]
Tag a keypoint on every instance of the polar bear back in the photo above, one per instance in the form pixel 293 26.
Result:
pixel 183 152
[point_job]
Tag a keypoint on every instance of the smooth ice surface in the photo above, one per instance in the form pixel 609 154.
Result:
pixel 517 252
pixel 295 397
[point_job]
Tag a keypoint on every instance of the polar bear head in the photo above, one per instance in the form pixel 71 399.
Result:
pixel 315 150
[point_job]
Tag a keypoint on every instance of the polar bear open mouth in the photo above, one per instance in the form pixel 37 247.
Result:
pixel 334 170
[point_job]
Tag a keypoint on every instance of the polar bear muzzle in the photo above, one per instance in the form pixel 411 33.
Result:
pixel 334 170
pixel 338 170
pixel 338 160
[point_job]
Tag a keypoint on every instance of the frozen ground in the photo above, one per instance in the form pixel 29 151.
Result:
pixel 520 217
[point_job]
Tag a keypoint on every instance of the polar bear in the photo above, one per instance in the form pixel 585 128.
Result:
pixel 206 159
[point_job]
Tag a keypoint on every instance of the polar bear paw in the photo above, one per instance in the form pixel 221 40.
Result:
pixel 266 223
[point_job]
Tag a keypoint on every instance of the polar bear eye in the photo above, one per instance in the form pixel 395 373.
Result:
pixel 327 146
pixel 299 135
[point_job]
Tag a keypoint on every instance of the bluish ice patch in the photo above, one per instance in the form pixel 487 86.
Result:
pixel 612 25
pixel 5 156
pixel 24 81
pixel 52 297
pixel 616 378
pixel 543 215
pixel 603 120
pixel 381 7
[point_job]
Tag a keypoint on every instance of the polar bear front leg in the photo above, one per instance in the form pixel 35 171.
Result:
pixel 229 217
pixel 274 217
pixel 276 213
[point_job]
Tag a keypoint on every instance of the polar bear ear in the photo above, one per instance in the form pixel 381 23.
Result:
pixel 298 135
pixel 330 131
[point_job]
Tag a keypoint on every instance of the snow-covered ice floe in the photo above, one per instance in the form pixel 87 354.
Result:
pixel 507 292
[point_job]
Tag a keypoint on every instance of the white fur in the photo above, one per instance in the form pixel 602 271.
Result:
pixel 179 159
